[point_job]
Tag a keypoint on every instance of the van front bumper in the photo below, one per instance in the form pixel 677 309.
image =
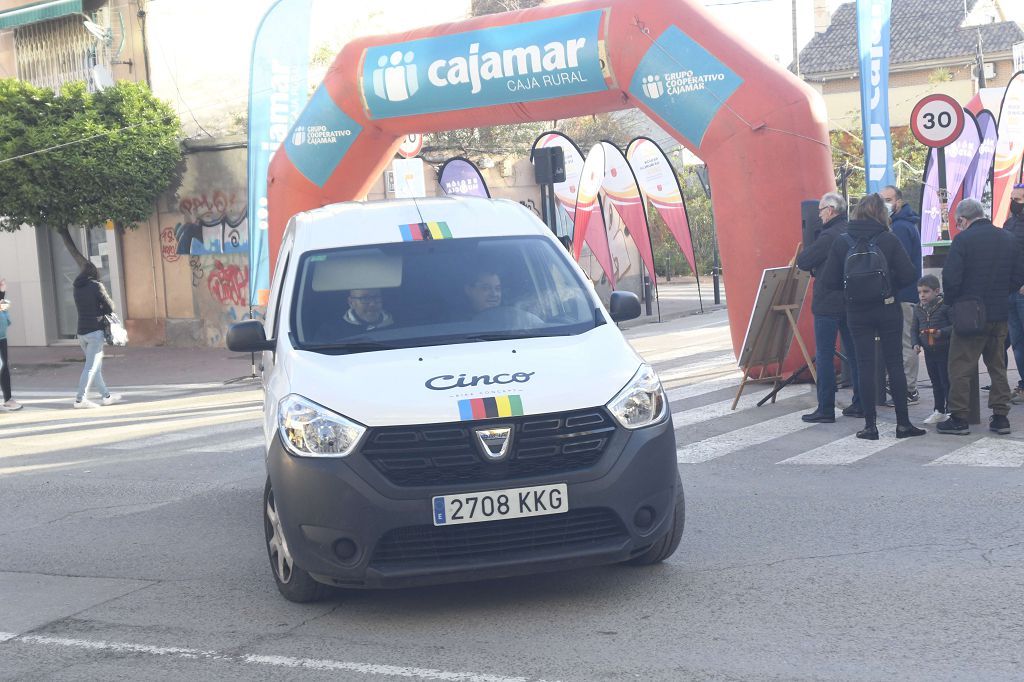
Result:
pixel 348 526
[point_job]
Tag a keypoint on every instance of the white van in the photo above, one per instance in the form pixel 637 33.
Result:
pixel 447 399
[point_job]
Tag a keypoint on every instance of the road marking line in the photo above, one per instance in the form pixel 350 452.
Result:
pixel 723 408
pixel 986 452
pixel 105 437
pixel 740 439
pixel 183 435
pixel 704 387
pixel 129 407
pixel 256 659
pixel 847 450
pixel 94 418
pixel 229 446
pixel 724 360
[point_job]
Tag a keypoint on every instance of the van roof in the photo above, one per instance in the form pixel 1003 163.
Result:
pixel 354 223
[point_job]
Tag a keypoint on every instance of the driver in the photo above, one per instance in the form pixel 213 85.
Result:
pixel 365 313
pixel 483 291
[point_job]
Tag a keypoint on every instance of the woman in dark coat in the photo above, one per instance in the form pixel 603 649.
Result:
pixel 881 318
pixel 93 304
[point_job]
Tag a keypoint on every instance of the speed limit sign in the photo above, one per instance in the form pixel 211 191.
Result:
pixel 937 120
pixel 411 145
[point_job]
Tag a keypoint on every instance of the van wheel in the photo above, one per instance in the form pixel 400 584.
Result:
pixel 292 582
pixel 666 547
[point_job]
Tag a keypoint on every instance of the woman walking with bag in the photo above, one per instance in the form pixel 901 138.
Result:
pixel 93 304
pixel 869 264
pixel 9 404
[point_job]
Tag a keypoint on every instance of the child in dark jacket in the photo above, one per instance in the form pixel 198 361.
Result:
pixel 931 332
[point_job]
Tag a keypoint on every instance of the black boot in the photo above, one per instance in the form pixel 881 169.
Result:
pixel 870 431
pixel 908 430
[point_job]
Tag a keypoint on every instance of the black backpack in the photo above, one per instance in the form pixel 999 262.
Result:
pixel 866 272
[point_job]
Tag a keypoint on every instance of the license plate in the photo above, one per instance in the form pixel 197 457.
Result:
pixel 513 503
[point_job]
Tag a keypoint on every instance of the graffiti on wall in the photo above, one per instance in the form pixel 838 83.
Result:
pixel 229 284
pixel 168 245
pixel 212 224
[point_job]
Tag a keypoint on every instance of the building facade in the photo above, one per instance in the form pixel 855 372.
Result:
pixel 934 48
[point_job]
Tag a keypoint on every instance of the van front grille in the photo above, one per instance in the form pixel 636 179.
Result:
pixel 446 454
pixel 509 539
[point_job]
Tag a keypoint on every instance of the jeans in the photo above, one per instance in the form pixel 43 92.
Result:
pixel 825 329
pixel 963 363
pixel 5 371
pixel 937 362
pixel 911 360
pixel 886 322
pixel 92 345
pixel 1016 324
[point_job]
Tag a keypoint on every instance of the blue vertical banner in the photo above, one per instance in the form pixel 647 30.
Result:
pixel 278 90
pixel 873 51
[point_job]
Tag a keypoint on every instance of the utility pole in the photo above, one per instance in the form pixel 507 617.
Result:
pixel 796 50
pixel 981 63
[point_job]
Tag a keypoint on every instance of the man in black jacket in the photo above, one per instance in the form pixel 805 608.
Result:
pixel 829 313
pixel 984 262
pixel 1015 225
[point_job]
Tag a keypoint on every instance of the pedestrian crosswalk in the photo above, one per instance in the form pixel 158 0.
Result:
pixel 38 438
pixel 708 431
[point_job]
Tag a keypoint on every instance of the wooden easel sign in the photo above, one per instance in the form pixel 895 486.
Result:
pixel 772 327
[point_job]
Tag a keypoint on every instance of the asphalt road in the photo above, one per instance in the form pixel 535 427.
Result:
pixel 131 547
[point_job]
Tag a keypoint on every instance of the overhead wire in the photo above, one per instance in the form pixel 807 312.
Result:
pixel 127 127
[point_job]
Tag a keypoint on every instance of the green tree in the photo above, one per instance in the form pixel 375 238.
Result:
pixel 81 158
pixel 908 157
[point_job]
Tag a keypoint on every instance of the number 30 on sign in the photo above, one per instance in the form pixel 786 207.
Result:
pixel 937 120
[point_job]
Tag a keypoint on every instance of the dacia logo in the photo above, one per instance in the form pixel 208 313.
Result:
pixel 653 87
pixel 395 78
pixel 494 442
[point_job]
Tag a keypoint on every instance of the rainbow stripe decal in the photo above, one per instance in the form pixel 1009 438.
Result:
pixel 491 408
pixel 415 232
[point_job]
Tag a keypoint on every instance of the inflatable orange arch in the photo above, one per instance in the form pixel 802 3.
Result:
pixel 761 131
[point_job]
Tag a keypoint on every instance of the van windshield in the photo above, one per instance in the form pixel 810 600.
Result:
pixel 433 292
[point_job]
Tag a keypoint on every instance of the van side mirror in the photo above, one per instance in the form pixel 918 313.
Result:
pixel 249 337
pixel 625 305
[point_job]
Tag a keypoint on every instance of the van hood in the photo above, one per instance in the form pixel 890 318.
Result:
pixel 469 381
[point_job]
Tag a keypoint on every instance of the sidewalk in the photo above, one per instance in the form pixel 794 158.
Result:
pixel 57 368
pixel 678 298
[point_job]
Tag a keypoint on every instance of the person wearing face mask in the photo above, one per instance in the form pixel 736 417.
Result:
pixel 906 225
pixel 1015 225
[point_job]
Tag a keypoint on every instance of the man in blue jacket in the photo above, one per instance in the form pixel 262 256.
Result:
pixel 906 225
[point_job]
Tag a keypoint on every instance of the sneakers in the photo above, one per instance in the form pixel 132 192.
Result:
pixel 998 423
pixel 111 399
pixel 11 405
pixel 908 431
pixel 85 404
pixel 953 426
pixel 818 417
pixel 853 411
pixel 936 417
pixel 1018 396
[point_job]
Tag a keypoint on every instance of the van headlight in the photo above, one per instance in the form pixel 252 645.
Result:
pixel 311 430
pixel 642 402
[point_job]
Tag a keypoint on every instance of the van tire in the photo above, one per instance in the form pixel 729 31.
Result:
pixel 666 546
pixel 296 585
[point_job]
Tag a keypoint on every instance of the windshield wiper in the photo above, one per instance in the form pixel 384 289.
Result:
pixel 505 336
pixel 351 347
